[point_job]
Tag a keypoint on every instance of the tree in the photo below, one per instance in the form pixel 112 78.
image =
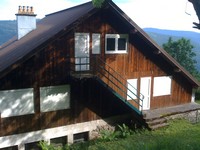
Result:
pixel 98 3
pixel 181 50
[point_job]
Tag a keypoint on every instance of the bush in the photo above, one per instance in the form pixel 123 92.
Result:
pixel 197 95
pixel 45 146
pixel 125 131
pixel 108 135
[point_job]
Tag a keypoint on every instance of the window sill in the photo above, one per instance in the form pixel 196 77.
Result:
pixel 116 52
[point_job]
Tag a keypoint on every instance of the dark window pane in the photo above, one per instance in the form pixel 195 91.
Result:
pixel 32 146
pixel 10 148
pixel 81 137
pixel 59 142
pixel 121 44
pixel 110 44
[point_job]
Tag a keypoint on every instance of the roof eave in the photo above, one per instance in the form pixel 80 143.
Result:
pixel 151 42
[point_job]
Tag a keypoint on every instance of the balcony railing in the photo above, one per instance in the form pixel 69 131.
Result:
pixel 96 67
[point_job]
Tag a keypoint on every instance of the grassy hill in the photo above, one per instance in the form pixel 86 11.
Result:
pixel 161 36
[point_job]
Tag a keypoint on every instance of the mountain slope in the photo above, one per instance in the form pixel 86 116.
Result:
pixel 7 30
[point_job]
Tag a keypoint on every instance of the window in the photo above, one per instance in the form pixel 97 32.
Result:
pixel 54 98
pixel 162 86
pixel 32 146
pixel 81 137
pixel 10 148
pixel 82 51
pixel 116 43
pixel 96 42
pixel 59 141
pixel 16 102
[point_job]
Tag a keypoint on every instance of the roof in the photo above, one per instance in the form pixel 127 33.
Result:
pixel 15 51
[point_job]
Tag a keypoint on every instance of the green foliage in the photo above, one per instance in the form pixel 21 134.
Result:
pixel 125 131
pixel 180 134
pixel 108 135
pixel 98 3
pixel 45 146
pixel 181 50
pixel 197 95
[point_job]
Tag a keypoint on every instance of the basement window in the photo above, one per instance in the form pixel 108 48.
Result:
pixel 81 137
pixel 59 141
pixel 32 146
pixel 10 148
pixel 116 43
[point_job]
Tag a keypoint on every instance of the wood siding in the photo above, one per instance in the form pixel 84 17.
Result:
pixel 50 66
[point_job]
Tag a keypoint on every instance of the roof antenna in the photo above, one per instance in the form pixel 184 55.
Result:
pixel 186 6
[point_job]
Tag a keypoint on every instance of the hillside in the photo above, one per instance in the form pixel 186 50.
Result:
pixel 8 30
pixel 161 36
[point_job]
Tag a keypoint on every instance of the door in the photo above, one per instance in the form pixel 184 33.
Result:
pixel 82 59
pixel 145 89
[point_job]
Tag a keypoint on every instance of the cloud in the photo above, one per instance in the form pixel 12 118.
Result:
pixel 166 14
pixel 41 7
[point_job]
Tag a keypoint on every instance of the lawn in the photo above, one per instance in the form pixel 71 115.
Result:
pixel 179 135
pixel 197 101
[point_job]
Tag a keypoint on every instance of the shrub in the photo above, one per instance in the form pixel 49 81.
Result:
pixel 108 135
pixel 45 146
pixel 125 131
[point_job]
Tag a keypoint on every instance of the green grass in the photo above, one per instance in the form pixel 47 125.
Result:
pixel 197 101
pixel 180 135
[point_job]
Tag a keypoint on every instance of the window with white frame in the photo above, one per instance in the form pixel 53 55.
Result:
pixel 116 43
pixel 162 86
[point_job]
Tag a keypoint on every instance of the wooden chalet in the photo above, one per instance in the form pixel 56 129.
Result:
pixel 78 67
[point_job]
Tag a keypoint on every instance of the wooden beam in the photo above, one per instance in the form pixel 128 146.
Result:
pixel 133 31
pixel 157 52
pixel 177 70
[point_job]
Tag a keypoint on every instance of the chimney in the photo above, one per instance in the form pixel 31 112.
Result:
pixel 26 21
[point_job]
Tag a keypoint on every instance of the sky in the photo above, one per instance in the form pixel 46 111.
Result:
pixel 162 14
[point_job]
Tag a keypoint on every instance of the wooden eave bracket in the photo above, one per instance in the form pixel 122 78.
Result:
pixel 157 52
pixel 177 70
pixel 133 31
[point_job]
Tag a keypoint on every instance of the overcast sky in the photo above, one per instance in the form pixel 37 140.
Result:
pixel 163 14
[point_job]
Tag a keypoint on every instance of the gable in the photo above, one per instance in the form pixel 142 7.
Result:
pixel 53 26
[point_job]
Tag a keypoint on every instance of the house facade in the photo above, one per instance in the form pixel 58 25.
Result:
pixel 77 68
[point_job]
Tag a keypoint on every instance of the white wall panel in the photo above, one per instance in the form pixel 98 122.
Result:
pixel 162 86
pixel 16 102
pixel 132 86
pixel 54 98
